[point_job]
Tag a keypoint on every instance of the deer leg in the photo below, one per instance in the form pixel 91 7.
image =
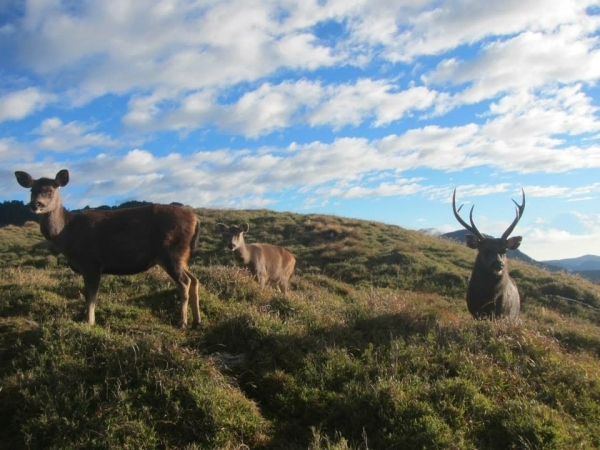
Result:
pixel 285 282
pixel 283 286
pixel 183 282
pixel 193 295
pixel 262 282
pixel 262 278
pixel 91 284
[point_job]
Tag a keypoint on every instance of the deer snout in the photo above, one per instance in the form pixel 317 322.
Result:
pixel 36 206
pixel 497 265
pixel 230 246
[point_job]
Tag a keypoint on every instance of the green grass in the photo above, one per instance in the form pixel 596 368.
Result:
pixel 373 349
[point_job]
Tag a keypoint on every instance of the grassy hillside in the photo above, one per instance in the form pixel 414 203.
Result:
pixel 373 349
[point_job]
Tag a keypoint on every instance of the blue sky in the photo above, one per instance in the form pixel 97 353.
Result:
pixel 373 109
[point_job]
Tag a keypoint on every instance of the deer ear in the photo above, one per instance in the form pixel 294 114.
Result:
pixel 472 241
pixel 62 177
pixel 24 179
pixel 513 242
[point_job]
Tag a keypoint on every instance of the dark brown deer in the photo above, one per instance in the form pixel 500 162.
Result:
pixel 118 242
pixel 492 293
pixel 270 264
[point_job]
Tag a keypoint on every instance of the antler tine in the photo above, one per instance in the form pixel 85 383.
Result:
pixel 519 213
pixel 472 228
pixel 475 230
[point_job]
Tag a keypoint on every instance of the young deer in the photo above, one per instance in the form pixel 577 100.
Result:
pixel 492 293
pixel 118 242
pixel 270 264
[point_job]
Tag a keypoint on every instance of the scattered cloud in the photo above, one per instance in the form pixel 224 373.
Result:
pixel 563 191
pixel 60 137
pixel 19 104
pixel 318 105
pixel 544 243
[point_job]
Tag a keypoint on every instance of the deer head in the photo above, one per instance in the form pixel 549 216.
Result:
pixel 491 255
pixel 44 192
pixel 234 234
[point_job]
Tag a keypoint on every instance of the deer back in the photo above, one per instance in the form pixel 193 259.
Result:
pixel 272 260
pixel 130 240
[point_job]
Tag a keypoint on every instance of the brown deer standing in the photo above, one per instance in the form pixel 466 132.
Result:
pixel 119 242
pixel 492 293
pixel 270 264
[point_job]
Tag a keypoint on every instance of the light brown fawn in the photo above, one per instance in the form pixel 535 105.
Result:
pixel 118 242
pixel 270 264
pixel 492 293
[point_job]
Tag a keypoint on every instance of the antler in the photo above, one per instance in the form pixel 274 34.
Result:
pixel 520 209
pixel 472 228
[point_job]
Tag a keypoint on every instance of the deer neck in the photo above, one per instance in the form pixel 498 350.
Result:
pixel 53 223
pixel 487 280
pixel 242 253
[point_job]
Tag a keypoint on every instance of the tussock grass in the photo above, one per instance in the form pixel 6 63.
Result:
pixel 373 349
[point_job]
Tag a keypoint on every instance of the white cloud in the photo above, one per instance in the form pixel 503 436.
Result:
pixel 20 104
pixel 345 161
pixel 352 104
pixel 524 62
pixel 142 110
pixel 563 191
pixel 385 189
pixel 551 243
pixel 12 150
pixel 269 107
pixel 60 137
pixel 477 190
pixel 463 22
pixel 179 45
pixel 274 107
pixel 174 50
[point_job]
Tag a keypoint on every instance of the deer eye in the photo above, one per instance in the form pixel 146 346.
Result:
pixel 44 190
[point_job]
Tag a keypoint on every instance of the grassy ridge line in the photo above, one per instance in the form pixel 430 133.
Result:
pixel 373 349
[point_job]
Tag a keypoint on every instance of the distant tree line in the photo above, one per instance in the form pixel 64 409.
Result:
pixel 15 212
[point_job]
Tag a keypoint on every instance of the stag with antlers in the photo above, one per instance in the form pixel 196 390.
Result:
pixel 491 293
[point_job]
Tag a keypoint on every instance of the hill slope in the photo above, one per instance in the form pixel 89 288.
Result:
pixel 374 348
pixel 586 262
pixel 588 266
